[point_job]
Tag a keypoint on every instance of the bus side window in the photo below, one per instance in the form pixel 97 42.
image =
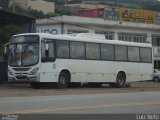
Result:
pixel 47 51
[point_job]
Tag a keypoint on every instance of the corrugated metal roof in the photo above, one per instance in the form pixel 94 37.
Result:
pixel 9 17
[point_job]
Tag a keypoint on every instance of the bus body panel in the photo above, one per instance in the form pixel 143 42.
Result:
pixel 145 71
pixel 75 67
pixel 132 73
pixel 48 72
pixel 119 67
pixel 99 71
pixel 86 70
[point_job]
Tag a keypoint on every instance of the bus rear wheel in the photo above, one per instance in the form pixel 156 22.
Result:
pixel 63 80
pixel 121 80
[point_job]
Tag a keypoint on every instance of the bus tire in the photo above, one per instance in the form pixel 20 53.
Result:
pixel 156 79
pixel 63 80
pixel 121 80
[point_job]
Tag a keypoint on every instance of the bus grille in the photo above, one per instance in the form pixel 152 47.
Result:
pixel 20 69
pixel 21 77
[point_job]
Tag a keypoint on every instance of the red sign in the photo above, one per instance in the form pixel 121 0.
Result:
pixel 94 13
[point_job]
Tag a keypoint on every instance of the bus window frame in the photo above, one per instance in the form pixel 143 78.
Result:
pixel 47 59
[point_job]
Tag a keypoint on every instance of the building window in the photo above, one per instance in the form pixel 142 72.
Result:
pixel 156 40
pixel 108 35
pixel 140 38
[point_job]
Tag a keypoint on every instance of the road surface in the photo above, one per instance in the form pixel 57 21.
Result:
pixel 106 103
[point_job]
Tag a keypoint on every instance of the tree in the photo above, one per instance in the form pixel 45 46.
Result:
pixel 4 4
pixel 6 31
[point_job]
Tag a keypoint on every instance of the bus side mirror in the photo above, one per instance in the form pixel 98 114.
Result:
pixel 46 46
pixel 5 50
pixel 6 47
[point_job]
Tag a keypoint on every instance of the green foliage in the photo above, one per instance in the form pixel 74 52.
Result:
pixel 4 4
pixel 138 4
pixel 6 31
pixel 31 12
pixel 64 12
pixel 34 13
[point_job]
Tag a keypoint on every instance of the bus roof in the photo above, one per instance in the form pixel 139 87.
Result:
pixel 87 37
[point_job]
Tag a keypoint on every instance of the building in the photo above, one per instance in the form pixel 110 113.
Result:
pixel 85 6
pixel 39 5
pixel 140 26
pixel 27 23
pixel 7 18
pixel 23 21
pixel 94 13
pixel 22 3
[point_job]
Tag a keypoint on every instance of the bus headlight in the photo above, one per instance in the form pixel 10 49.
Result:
pixel 34 71
pixel 10 72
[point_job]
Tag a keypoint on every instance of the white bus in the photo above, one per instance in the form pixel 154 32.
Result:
pixel 77 58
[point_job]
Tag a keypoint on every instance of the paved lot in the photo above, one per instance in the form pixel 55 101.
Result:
pixel 16 90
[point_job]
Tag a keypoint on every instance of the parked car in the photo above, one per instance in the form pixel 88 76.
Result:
pixel 156 75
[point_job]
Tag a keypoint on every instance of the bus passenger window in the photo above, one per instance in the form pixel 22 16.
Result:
pixel 146 55
pixel 47 51
pixel 107 52
pixel 77 50
pixel 92 51
pixel 120 53
pixel 62 48
pixel 133 54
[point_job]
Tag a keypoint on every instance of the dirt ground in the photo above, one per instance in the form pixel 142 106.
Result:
pixel 17 90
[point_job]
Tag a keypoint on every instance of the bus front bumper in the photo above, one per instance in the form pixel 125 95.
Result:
pixel 23 78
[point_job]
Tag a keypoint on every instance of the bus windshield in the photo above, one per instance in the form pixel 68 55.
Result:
pixel 24 51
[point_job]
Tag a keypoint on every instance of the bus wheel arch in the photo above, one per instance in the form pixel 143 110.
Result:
pixel 64 78
pixel 121 79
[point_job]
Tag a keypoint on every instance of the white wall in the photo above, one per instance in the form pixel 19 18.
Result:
pixel 51 29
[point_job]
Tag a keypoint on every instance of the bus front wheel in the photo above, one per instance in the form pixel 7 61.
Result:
pixel 121 80
pixel 63 80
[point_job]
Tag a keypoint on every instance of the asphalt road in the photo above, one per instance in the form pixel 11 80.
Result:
pixel 114 103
